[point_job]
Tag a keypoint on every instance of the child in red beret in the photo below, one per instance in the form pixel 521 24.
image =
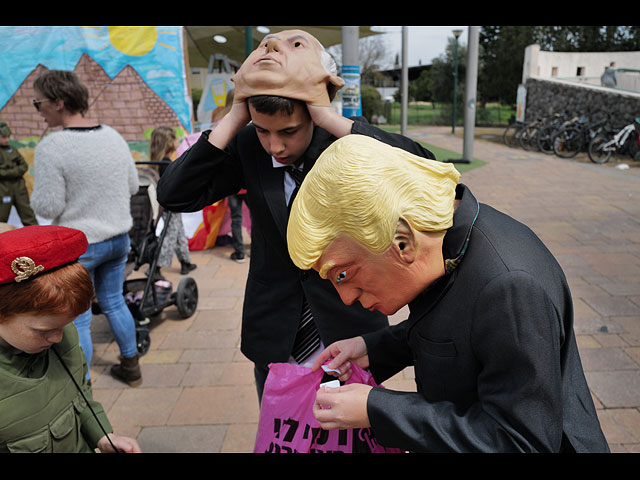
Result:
pixel 46 404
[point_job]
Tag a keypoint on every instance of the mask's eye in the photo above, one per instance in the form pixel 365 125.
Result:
pixel 341 276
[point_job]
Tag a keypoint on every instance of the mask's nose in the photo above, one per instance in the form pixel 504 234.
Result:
pixel 272 45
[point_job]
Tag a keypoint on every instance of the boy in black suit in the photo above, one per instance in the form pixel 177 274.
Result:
pixel 281 117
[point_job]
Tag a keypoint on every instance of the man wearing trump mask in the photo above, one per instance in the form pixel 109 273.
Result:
pixel 280 122
pixel 490 329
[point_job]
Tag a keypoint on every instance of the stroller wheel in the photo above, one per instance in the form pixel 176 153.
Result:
pixel 187 297
pixel 143 339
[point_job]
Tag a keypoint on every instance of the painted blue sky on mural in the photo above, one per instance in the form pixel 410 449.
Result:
pixel 158 57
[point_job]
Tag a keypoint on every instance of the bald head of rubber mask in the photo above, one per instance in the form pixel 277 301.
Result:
pixel 291 64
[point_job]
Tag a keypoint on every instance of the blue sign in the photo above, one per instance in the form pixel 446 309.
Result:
pixel 351 98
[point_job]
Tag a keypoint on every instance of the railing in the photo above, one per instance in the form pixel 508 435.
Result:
pixel 628 80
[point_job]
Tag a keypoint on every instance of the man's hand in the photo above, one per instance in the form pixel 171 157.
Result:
pixel 344 407
pixel 344 353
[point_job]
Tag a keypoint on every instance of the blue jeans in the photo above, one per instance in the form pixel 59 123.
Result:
pixel 105 261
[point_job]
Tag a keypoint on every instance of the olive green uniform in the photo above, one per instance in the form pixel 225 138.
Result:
pixel 41 410
pixel 13 189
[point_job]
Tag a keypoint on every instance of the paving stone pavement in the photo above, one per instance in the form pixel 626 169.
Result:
pixel 198 393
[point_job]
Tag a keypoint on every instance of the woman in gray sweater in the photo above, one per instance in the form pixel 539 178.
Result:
pixel 84 176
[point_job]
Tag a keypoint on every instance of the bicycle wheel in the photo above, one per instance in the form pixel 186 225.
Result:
pixel 598 151
pixel 510 135
pixel 527 138
pixel 568 142
pixel 543 139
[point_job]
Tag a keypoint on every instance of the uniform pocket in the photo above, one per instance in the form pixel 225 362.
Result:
pixel 36 442
pixel 65 431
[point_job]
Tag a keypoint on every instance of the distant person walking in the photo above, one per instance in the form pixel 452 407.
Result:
pixel 610 76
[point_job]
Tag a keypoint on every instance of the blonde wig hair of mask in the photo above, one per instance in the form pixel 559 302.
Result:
pixel 361 187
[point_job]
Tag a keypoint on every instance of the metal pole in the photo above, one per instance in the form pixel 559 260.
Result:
pixel 456 33
pixel 405 80
pixel 351 101
pixel 470 93
pixel 350 54
pixel 248 41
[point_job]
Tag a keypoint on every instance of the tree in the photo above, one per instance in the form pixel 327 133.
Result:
pixel 502 58
pixel 502 51
pixel 442 73
pixel 421 89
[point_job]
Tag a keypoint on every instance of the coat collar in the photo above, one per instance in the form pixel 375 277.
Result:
pixel 454 247
pixel 272 179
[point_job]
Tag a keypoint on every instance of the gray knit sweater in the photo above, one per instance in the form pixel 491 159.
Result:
pixel 84 179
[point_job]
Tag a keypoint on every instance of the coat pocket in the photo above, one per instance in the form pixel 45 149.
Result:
pixel 434 364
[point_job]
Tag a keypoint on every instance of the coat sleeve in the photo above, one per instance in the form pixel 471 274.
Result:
pixel 516 339
pixel 361 127
pixel 201 176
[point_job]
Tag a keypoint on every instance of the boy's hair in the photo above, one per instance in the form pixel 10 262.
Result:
pixel 67 290
pixel 64 85
pixel 270 104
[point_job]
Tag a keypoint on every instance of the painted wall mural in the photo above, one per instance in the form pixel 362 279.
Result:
pixel 136 75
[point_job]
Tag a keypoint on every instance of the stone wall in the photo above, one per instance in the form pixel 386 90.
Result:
pixel 548 97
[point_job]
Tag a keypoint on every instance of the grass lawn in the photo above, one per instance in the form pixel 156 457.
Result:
pixel 442 154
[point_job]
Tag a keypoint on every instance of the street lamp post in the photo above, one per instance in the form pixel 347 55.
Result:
pixel 456 33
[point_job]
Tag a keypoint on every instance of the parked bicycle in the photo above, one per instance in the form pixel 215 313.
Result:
pixel 574 138
pixel 512 134
pixel 527 138
pixel 546 132
pixel 609 143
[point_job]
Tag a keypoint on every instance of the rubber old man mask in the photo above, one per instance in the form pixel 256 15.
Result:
pixel 288 64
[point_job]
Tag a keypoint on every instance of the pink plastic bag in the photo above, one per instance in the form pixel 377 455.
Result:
pixel 287 424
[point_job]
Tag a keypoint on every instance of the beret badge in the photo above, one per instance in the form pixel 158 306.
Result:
pixel 24 267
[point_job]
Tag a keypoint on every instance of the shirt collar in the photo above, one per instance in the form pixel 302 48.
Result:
pixel 277 164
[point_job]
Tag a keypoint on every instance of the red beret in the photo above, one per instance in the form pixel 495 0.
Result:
pixel 28 251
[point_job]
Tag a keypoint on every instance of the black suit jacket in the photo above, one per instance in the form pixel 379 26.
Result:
pixel 205 174
pixel 496 362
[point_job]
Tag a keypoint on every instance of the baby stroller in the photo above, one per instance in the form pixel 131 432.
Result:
pixel 147 297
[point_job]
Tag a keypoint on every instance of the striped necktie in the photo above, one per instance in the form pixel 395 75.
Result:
pixel 297 176
pixel 307 338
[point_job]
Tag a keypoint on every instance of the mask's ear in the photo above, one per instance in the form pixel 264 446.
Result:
pixel 335 83
pixel 404 241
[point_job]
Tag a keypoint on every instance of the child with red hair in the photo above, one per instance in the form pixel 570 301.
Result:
pixel 46 404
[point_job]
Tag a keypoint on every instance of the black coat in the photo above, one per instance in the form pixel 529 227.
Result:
pixel 205 174
pixel 496 362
